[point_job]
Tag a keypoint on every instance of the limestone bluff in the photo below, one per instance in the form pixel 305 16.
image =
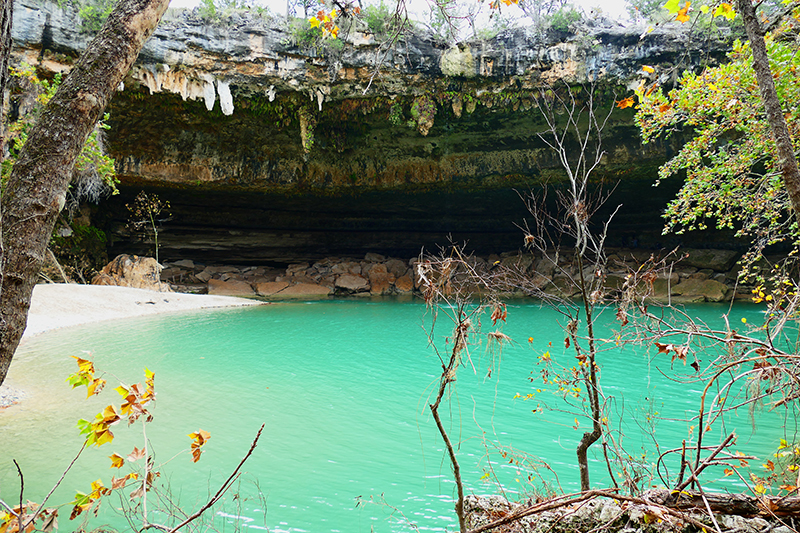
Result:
pixel 282 152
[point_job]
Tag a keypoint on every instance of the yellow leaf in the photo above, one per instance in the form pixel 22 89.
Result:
pixel 200 436
pixel 84 365
pixel 760 489
pixel 103 436
pixel 109 415
pixel 98 489
pixel 95 387
pixel 648 69
pixel 116 460
pixel 725 10
pixel 314 22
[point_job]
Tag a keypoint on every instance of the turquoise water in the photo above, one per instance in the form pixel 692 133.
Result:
pixel 342 388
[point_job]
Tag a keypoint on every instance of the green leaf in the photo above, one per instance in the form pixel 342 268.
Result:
pixel 84 426
pixel 80 499
pixel 672 6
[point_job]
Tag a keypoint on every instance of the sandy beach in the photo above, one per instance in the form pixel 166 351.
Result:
pixel 62 305
pixel 56 306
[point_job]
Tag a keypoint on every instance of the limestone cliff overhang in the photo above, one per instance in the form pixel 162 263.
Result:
pixel 188 55
pixel 240 104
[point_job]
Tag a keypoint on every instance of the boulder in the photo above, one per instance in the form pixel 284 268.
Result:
pixel 545 266
pixel 203 276
pixel 663 288
pixel 352 282
pixel 404 284
pixel 717 260
pixel 380 280
pixel 374 258
pixel 269 288
pixel 304 290
pixel 614 281
pixel 346 267
pixel 220 269
pixel 230 288
pixel 296 268
pixel 169 274
pixel 518 262
pixel 709 289
pixel 184 263
pixel 132 271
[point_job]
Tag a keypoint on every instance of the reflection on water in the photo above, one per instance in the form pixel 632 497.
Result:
pixel 342 387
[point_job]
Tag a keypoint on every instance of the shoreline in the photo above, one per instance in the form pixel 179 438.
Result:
pixel 57 305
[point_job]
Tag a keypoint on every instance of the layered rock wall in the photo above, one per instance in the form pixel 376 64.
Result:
pixel 239 126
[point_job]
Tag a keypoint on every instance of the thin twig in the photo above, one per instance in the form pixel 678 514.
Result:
pixel 52 490
pixel 214 499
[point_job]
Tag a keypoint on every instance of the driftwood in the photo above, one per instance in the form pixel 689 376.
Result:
pixel 733 504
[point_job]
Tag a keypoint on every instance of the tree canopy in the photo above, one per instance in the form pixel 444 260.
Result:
pixel 735 173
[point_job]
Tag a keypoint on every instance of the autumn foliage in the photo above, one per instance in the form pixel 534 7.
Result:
pixel 134 406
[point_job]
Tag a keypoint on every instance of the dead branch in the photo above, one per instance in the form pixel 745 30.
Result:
pixel 708 461
pixel 448 376
pixel 732 504
pixel 555 503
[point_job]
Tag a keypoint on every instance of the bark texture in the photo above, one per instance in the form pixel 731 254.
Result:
pixel 36 190
pixel 6 18
pixel 769 96
pixel 731 504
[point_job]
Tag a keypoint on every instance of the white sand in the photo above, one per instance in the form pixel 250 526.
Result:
pixel 60 305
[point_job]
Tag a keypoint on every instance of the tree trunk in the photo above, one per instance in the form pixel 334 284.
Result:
pixel 769 96
pixel 36 190
pixel 6 19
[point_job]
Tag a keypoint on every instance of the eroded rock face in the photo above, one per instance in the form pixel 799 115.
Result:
pixel 239 104
pixel 271 152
